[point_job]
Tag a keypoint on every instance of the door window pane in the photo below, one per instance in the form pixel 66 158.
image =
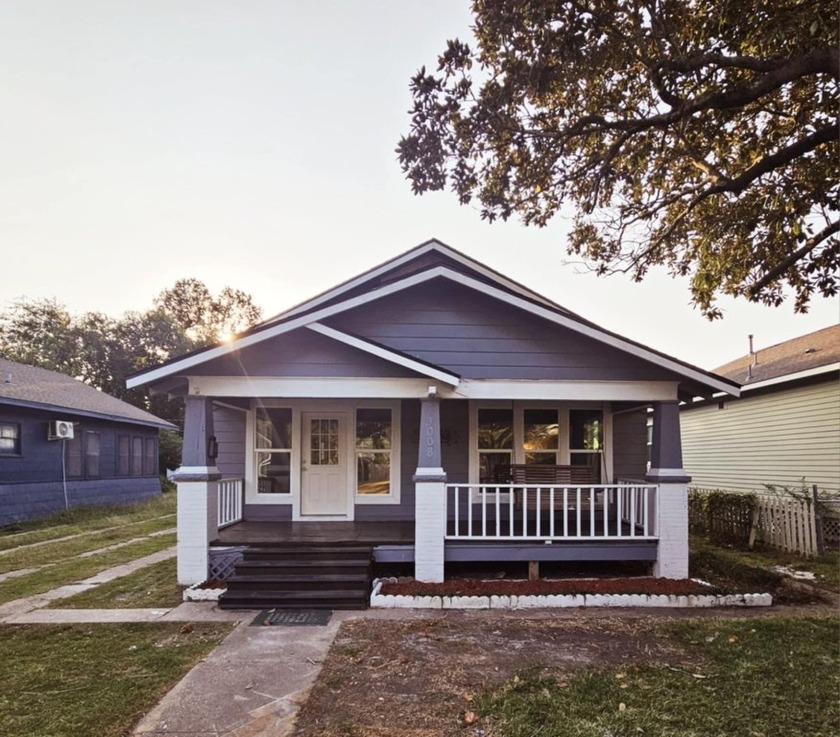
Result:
pixel 323 442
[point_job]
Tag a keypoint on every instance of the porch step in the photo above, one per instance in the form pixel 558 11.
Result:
pixel 289 577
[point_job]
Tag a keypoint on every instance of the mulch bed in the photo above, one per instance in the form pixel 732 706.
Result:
pixel 477 587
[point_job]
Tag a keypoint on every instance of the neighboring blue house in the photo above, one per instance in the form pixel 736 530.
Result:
pixel 64 443
pixel 433 411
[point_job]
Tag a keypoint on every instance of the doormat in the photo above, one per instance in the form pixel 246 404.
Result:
pixel 293 618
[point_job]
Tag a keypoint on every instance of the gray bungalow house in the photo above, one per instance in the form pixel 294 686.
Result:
pixel 65 444
pixel 427 411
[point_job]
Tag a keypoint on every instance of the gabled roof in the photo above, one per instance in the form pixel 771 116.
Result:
pixel 807 353
pixel 37 388
pixel 430 260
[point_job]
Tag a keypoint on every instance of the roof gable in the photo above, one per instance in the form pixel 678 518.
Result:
pixel 428 262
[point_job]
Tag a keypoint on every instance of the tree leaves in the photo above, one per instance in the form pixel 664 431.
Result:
pixel 701 136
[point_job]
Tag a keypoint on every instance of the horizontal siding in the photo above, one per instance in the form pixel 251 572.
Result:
pixel 775 439
pixel 629 439
pixel 229 429
pixel 301 353
pixel 479 337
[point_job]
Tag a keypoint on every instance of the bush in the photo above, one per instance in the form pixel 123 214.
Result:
pixel 721 516
pixel 167 486
pixel 170 450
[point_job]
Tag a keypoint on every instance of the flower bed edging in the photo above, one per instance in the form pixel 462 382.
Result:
pixel 197 592
pixel 378 600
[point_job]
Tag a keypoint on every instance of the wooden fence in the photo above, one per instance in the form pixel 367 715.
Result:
pixel 787 524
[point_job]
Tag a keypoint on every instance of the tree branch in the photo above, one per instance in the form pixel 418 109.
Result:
pixel 792 258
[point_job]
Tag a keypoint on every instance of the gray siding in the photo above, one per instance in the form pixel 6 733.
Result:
pixel 229 427
pixel 301 353
pixel 630 445
pixel 21 502
pixel 31 483
pixel 479 337
pixel 779 439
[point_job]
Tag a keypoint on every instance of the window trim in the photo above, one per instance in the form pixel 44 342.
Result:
pixel 298 407
pixel 518 407
pixel 17 451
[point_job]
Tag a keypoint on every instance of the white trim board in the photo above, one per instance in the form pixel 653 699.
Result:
pixel 388 355
pixel 330 387
pixel 551 315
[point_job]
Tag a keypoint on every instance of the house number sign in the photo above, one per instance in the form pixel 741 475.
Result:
pixel 430 438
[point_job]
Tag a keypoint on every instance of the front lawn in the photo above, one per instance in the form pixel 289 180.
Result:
pixel 93 680
pixel 744 678
pixel 152 587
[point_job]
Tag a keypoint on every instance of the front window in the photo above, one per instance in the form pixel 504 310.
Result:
pixel 92 452
pixel 123 455
pixel 541 436
pixel 136 456
pixel 273 450
pixel 9 439
pixel 495 445
pixel 586 439
pixel 149 457
pixel 73 456
pixel 373 452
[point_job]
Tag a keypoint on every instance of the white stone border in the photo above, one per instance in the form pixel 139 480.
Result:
pixel 197 592
pixel 382 601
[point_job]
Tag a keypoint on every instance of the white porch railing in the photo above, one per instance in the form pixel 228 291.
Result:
pixel 230 501
pixel 623 511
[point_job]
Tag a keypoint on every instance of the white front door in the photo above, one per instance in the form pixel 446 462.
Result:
pixel 323 486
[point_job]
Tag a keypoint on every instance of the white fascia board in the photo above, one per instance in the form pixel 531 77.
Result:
pixel 591 332
pixel 807 373
pixel 285 327
pixel 382 352
pixel 597 391
pixel 401 261
pixel 327 387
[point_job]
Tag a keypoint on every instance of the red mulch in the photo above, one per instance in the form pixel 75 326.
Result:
pixel 477 587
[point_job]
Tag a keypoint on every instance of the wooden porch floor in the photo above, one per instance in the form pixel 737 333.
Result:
pixel 310 533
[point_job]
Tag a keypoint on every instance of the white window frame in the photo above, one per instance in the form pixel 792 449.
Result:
pixel 299 406
pixel 518 407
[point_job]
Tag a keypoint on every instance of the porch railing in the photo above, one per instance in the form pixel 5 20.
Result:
pixel 230 501
pixel 623 511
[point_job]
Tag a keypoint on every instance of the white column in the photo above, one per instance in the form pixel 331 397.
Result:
pixel 429 497
pixel 672 503
pixel 198 492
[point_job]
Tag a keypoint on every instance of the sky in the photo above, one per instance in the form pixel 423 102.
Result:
pixel 251 144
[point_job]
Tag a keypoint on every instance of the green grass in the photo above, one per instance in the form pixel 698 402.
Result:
pixel 76 569
pixel 153 587
pixel 84 520
pixel 740 678
pixel 749 571
pixel 92 680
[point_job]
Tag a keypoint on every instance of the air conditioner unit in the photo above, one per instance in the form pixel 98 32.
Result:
pixel 60 430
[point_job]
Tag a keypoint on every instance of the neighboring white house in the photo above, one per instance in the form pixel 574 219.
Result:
pixel 784 429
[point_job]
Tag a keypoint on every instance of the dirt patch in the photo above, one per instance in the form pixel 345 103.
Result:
pixel 416 678
pixel 477 587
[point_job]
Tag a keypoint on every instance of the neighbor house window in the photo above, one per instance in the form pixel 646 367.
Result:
pixel 136 456
pixel 373 451
pixel 273 450
pixel 92 453
pixel 9 439
pixel 586 439
pixel 149 457
pixel 73 456
pixel 123 455
pixel 495 445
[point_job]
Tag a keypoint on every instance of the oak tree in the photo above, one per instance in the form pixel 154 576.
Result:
pixel 700 135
